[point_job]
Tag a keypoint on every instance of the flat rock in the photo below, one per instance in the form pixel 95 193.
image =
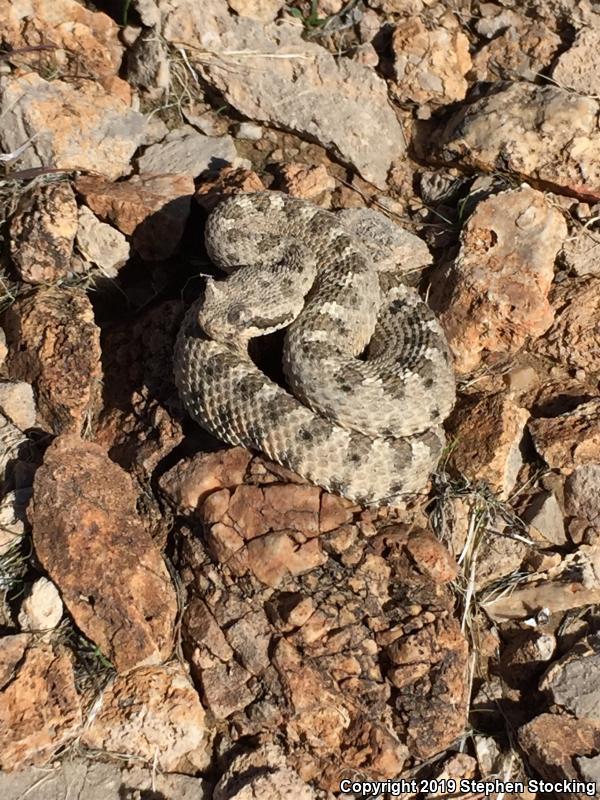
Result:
pixel 430 64
pixel 582 497
pixel 229 181
pixel 487 437
pixel 310 181
pixel 539 133
pixel 259 71
pixel 262 10
pixel 573 682
pixel 39 707
pixel 17 403
pixel 552 743
pixel 152 713
pixel 497 296
pixel 54 344
pixel 101 244
pixel 78 35
pixel 546 516
pixel 83 504
pixel 574 337
pixel 42 233
pixel 152 209
pixel 569 440
pixel 187 152
pixel 580 253
pixel 75 126
pixel 98 780
pixel 578 68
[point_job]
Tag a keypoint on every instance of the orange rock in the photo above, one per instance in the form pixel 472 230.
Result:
pixel 54 344
pixel 569 440
pixel 229 181
pixel 92 543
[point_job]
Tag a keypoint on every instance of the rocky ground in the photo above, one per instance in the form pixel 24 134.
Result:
pixel 183 620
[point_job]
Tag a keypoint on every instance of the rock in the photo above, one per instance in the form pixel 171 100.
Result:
pixel 42 609
pixel 152 713
pixel 98 780
pixel 578 68
pixel 573 583
pixel 430 65
pixel 582 498
pixel 190 482
pixel 431 557
pixel 148 66
pixel 228 182
pixel 498 554
pixel 569 440
pixel 264 774
pixel 309 182
pixel 84 504
pixel 333 90
pixel 17 403
pixel 39 706
pixel 546 516
pixel 78 35
pixel 572 681
pixel 487 436
pixel 54 345
pixel 262 10
pixel 574 338
pixel 152 209
pixel 552 743
pixel 101 244
pixel 185 151
pixel 42 233
pixel 497 294
pixel 538 133
pixel 249 130
pixel 580 253
pixel 520 52
pixel 80 126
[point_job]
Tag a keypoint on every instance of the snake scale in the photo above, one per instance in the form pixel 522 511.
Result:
pixel 368 374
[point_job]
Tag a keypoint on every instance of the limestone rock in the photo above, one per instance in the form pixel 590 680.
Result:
pixel 574 338
pixel 100 243
pixel 99 780
pixel 54 345
pixel 17 403
pixel 580 253
pixel 569 440
pixel 78 126
pixel 260 68
pixel 582 497
pixel 78 35
pixel 546 516
pixel 487 437
pixel 42 232
pixel 430 65
pixel 153 713
pixel 39 707
pixel 152 209
pixel 579 67
pixel 42 609
pixel 84 503
pixel 540 133
pixel 499 284
pixel 185 151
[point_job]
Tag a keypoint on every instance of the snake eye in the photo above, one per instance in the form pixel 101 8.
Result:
pixel 238 315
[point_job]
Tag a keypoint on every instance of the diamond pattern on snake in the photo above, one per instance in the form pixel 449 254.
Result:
pixel 369 378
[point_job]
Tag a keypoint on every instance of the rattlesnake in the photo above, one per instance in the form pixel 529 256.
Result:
pixel 366 426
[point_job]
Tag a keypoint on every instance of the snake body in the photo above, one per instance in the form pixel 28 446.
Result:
pixel 369 378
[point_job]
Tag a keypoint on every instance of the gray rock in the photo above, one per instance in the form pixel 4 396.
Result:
pixel 248 130
pixel 94 780
pixel 545 515
pixel 270 74
pixel 17 402
pixel 573 682
pixel 185 151
pixel 101 244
